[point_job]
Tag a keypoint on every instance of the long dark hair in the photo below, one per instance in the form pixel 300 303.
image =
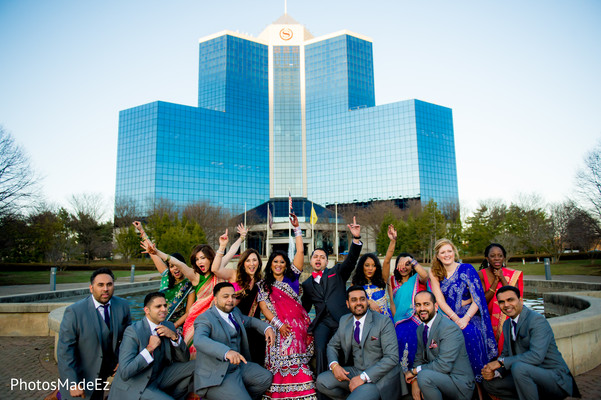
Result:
pixel 242 277
pixel 397 274
pixel 269 278
pixel 487 252
pixel 360 279
pixel 207 251
pixel 169 274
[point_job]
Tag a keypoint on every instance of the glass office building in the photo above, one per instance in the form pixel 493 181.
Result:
pixel 285 112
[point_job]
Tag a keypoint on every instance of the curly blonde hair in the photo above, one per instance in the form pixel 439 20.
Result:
pixel 438 269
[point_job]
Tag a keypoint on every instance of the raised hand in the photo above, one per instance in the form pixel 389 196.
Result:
pixel 392 235
pixel 149 247
pixel 293 220
pixel 139 227
pixel 223 239
pixel 355 228
pixel 242 231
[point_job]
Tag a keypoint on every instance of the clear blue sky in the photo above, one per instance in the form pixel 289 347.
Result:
pixel 523 78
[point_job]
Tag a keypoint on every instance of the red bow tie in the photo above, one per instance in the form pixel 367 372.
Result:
pixel 316 274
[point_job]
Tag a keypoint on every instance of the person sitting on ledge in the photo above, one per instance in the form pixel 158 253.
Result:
pixel 154 361
pixel 530 366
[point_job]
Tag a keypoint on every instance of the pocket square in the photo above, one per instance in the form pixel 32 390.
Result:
pixel 373 338
pixel 433 345
pixel 329 276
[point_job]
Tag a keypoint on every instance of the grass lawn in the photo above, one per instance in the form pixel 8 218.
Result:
pixel 569 267
pixel 43 277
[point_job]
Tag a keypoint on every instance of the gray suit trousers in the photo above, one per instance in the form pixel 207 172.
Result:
pixel 526 382
pixel 437 386
pixel 174 379
pixel 330 386
pixel 245 382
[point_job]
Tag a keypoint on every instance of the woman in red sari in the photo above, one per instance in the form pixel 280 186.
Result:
pixel 279 299
pixel 494 275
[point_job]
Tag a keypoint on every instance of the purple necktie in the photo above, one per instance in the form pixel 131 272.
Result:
pixel 234 322
pixel 356 333
pixel 515 329
pixel 425 336
pixel 107 318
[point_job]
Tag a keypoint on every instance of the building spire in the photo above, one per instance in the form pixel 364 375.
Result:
pixel 285 7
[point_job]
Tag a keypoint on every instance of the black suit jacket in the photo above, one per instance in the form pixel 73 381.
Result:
pixel 334 289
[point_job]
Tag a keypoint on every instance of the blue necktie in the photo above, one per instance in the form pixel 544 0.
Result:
pixel 514 325
pixel 107 318
pixel 356 333
pixel 425 336
pixel 234 322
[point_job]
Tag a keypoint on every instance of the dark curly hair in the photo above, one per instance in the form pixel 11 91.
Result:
pixel 397 274
pixel 360 279
pixel 242 277
pixel 487 252
pixel 269 278
pixel 207 251
pixel 169 274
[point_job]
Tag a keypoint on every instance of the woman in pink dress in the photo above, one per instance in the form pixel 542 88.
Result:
pixel 280 302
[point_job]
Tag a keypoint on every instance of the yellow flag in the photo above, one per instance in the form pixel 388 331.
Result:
pixel 313 215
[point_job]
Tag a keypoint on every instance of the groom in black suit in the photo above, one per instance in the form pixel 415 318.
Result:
pixel 326 290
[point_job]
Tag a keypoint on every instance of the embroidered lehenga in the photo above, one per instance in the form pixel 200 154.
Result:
pixel 288 359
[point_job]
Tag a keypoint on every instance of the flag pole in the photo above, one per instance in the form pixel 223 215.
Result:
pixel 244 242
pixel 312 229
pixel 267 232
pixel 336 237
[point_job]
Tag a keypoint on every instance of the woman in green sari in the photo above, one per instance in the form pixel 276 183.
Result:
pixel 176 287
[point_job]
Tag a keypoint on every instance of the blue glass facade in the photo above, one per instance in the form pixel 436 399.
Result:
pixel 302 118
pixel 218 152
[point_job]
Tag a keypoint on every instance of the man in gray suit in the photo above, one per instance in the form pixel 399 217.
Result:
pixel 368 341
pixel 441 367
pixel 530 366
pixel 89 338
pixel 223 366
pixel 154 361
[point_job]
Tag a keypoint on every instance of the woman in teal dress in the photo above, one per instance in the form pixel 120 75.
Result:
pixel 369 275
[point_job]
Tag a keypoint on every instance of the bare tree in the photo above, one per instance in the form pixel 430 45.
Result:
pixel 560 217
pixel 213 220
pixel 588 181
pixel 17 179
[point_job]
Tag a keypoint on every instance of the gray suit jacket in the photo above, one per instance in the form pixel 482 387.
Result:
pixel 134 371
pixel 212 338
pixel 379 350
pixel 445 353
pixel 79 349
pixel 535 345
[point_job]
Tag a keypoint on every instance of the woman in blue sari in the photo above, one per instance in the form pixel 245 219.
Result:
pixel 409 277
pixel 459 293
pixel 369 275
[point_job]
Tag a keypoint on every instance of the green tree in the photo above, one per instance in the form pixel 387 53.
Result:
pixel 127 242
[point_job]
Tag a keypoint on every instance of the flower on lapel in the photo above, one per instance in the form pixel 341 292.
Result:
pixel 372 338
pixel 433 345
